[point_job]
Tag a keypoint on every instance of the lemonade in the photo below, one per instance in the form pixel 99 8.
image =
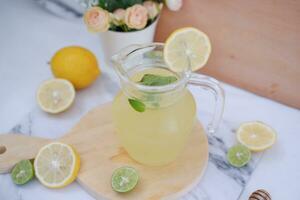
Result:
pixel 154 113
pixel 157 135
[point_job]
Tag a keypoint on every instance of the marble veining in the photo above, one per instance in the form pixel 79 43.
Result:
pixel 23 127
pixel 240 175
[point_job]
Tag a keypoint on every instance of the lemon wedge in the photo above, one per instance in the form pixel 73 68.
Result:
pixel 55 95
pixel 257 136
pixel 56 165
pixel 187 48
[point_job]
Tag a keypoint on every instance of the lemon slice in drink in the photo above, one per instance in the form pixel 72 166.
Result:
pixel 56 165
pixel 257 136
pixel 55 95
pixel 187 47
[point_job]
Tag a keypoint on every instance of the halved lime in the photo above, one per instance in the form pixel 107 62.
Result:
pixel 22 172
pixel 238 155
pixel 124 179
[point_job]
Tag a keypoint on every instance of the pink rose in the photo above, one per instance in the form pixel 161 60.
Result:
pixel 97 19
pixel 119 16
pixel 152 8
pixel 174 5
pixel 136 17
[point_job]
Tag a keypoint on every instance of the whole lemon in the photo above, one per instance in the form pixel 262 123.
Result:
pixel 76 64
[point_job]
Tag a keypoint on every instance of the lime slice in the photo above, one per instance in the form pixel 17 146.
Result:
pixel 238 155
pixel 22 172
pixel 257 136
pixel 124 179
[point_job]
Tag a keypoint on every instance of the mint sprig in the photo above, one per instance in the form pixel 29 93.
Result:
pixel 150 80
pixel 157 80
pixel 137 105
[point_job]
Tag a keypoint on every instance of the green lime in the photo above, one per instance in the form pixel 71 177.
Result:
pixel 22 172
pixel 238 155
pixel 124 179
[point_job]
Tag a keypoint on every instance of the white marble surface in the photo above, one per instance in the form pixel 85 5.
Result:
pixel 28 38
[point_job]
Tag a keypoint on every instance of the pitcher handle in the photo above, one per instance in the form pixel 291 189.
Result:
pixel 215 88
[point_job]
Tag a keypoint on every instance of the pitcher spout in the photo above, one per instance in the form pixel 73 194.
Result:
pixel 117 62
pixel 115 59
pixel 120 57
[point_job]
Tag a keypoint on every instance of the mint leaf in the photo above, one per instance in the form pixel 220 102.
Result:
pixel 151 80
pixel 137 105
pixel 157 80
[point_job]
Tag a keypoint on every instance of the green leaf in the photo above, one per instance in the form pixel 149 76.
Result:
pixel 137 105
pixel 129 3
pixel 120 28
pixel 157 80
pixel 112 5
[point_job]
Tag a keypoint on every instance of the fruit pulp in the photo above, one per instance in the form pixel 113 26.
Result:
pixel 157 135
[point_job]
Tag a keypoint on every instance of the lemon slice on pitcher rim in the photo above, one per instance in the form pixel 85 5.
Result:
pixel 56 165
pixel 187 48
pixel 55 95
pixel 257 136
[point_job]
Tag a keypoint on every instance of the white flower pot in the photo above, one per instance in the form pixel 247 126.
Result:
pixel 113 41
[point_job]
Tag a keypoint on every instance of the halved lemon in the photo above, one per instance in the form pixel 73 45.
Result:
pixel 56 165
pixel 55 95
pixel 187 48
pixel 257 136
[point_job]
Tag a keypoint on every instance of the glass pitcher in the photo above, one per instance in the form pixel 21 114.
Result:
pixel 154 123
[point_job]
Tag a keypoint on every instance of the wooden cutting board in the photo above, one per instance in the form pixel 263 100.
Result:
pixel 255 44
pixel 101 153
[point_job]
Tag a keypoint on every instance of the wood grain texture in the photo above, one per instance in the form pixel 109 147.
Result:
pixel 100 152
pixel 256 44
pixel 18 147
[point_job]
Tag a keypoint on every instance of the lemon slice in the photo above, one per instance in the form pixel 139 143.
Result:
pixel 187 47
pixel 55 95
pixel 56 165
pixel 257 136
